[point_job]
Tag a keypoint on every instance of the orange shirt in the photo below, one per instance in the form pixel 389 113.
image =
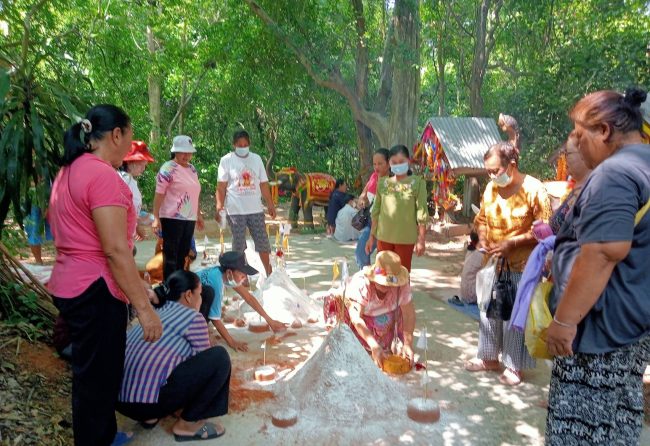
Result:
pixel 504 219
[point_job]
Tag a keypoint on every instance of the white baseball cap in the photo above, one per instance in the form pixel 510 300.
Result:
pixel 183 144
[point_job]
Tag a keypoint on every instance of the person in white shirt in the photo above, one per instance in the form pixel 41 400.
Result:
pixel 133 165
pixel 344 231
pixel 241 184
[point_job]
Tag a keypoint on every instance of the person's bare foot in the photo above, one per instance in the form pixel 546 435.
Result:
pixel 480 365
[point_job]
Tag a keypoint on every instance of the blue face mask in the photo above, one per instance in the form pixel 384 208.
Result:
pixel 400 169
pixel 242 151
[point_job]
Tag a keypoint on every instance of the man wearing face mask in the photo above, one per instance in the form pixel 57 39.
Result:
pixel 243 176
pixel 512 201
pixel 231 273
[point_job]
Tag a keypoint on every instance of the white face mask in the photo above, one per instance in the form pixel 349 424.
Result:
pixel 242 151
pixel 502 180
pixel 230 282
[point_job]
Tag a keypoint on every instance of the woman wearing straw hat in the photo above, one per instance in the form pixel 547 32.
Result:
pixel 379 309
pixel 176 205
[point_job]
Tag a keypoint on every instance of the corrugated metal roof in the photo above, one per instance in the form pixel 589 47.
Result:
pixel 465 140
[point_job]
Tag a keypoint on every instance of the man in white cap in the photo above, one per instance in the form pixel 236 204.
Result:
pixel 176 205
pixel 242 174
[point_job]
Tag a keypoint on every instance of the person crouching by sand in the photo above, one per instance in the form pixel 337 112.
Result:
pixel 379 307
pixel 179 372
pixel 232 272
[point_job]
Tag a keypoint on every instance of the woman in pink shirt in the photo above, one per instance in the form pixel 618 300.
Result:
pixel 367 197
pixel 176 205
pixel 379 308
pixel 94 278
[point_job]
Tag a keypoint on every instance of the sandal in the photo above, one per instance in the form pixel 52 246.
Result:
pixel 510 377
pixel 478 365
pixel 148 426
pixel 122 438
pixel 207 432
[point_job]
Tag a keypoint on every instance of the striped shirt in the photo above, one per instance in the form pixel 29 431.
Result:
pixel 148 365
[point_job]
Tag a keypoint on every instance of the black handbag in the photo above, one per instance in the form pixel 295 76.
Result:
pixel 360 220
pixel 503 294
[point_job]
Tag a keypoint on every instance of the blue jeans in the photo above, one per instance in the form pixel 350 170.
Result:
pixel 362 258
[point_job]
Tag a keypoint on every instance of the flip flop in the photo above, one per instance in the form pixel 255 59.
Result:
pixel 208 428
pixel 149 426
pixel 456 301
pixel 122 438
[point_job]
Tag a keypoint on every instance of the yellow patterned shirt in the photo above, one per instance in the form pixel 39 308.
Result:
pixel 504 219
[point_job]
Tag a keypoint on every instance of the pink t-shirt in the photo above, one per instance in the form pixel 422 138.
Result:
pixel 363 291
pixel 372 183
pixel 89 183
pixel 181 188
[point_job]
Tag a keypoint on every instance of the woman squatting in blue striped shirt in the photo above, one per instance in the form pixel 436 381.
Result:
pixel 181 370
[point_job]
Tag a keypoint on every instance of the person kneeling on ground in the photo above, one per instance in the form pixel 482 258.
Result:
pixel 472 265
pixel 379 307
pixel 232 273
pixel 343 230
pixel 181 370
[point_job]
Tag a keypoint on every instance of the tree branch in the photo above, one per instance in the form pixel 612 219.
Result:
pixel 459 22
pixel 334 80
pixel 491 41
pixel 510 70
pixel 386 75
pixel 361 59
pixel 184 103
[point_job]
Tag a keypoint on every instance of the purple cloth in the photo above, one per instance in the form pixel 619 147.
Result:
pixel 529 280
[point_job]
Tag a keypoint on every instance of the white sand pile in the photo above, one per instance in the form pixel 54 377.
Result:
pixel 284 301
pixel 342 396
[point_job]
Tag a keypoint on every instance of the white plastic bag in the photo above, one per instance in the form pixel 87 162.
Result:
pixel 484 283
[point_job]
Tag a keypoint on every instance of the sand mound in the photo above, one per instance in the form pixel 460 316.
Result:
pixel 341 382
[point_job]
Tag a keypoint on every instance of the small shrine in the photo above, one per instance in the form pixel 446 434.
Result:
pixel 450 147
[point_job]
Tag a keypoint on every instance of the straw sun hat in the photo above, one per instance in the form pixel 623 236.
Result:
pixel 387 270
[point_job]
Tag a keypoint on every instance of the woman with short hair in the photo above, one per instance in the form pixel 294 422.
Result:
pixel 512 201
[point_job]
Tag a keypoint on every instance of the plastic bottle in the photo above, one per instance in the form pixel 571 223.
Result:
pixel 222 219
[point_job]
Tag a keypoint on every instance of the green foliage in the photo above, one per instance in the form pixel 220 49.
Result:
pixel 234 73
pixel 35 106
pixel 19 310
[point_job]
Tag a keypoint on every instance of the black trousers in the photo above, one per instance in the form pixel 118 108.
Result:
pixel 97 324
pixel 207 297
pixel 198 385
pixel 177 241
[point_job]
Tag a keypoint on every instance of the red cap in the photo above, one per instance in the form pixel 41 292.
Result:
pixel 139 152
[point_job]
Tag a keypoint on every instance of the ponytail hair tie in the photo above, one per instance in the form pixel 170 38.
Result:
pixel 86 129
pixel 86 126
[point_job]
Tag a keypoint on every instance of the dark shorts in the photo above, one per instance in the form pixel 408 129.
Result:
pixel 256 224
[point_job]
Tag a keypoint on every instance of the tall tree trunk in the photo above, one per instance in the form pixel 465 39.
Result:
pixel 442 85
pixel 399 80
pixel 153 81
pixel 440 58
pixel 364 133
pixel 483 44
pixel 406 74
pixel 479 61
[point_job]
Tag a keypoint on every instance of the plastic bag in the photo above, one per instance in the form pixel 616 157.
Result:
pixel 539 318
pixel 484 283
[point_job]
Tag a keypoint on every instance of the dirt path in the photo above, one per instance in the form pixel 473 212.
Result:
pixel 477 409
